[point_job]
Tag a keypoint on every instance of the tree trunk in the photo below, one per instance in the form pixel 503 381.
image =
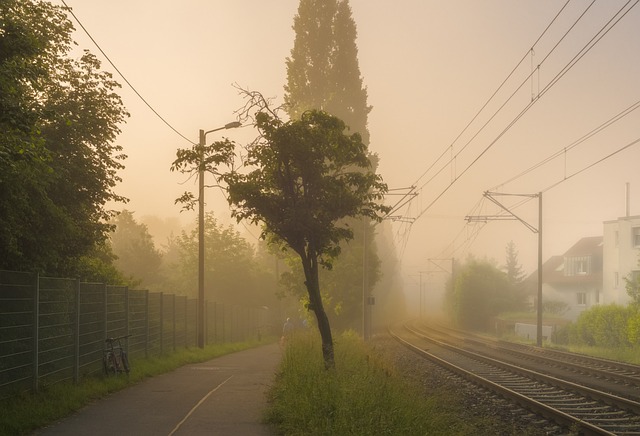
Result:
pixel 315 299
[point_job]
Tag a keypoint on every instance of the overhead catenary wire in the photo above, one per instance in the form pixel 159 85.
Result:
pixel 524 57
pixel 513 94
pixel 123 76
pixel 619 116
pixel 585 49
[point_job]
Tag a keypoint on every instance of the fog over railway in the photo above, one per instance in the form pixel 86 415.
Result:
pixel 429 67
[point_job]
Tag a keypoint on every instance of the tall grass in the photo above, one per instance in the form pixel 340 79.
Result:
pixel 362 396
pixel 29 411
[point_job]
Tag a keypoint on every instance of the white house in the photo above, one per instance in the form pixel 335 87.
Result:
pixel 620 258
pixel 574 278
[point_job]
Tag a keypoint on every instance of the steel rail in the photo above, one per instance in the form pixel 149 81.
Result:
pixel 548 411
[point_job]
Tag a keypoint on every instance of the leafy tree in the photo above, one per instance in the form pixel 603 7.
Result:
pixel 137 256
pixel 231 272
pixel 304 177
pixel 480 292
pixel 323 73
pixel 58 165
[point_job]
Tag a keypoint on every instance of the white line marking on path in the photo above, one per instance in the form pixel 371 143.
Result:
pixel 198 405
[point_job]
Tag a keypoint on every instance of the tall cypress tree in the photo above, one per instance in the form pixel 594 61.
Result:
pixel 349 99
pixel 323 73
pixel 309 67
pixel 323 70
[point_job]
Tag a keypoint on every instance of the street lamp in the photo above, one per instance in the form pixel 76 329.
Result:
pixel 201 145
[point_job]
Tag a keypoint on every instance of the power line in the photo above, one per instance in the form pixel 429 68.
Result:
pixel 632 143
pixel 599 161
pixel 574 144
pixel 491 98
pixel 122 75
pixel 601 33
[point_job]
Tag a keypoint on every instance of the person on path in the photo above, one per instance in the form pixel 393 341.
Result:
pixel 287 331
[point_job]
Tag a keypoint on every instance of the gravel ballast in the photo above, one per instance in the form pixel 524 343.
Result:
pixel 494 414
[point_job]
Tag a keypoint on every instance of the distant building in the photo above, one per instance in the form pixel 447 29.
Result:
pixel 574 278
pixel 621 251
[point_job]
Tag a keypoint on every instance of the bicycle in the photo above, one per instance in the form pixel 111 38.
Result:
pixel 115 359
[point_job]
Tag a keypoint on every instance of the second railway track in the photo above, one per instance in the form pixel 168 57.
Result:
pixel 572 404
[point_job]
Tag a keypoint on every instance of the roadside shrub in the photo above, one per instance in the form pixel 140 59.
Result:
pixel 633 326
pixel 605 326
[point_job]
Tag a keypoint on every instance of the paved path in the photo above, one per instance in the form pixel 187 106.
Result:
pixel 224 396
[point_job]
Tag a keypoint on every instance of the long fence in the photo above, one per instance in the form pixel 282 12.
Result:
pixel 53 329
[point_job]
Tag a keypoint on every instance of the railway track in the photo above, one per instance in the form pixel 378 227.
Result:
pixel 589 408
pixel 620 378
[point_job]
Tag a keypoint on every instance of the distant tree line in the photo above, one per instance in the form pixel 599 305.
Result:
pixel 236 272
pixel 481 290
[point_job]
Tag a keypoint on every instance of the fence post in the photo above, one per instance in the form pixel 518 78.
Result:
pixel 186 322
pixel 126 313
pixel 106 310
pixel 173 298
pixel 224 329
pixel 76 337
pixel 146 322
pixel 161 323
pixel 215 322
pixel 36 328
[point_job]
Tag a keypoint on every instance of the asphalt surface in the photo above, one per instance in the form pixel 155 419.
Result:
pixel 224 396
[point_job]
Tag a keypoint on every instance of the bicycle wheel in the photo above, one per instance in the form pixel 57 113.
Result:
pixel 125 362
pixel 108 363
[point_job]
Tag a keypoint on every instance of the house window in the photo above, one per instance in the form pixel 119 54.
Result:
pixel 597 296
pixel 616 280
pixel 582 299
pixel 577 265
pixel 617 238
pixel 636 236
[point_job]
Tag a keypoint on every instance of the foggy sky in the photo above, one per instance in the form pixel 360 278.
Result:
pixel 429 66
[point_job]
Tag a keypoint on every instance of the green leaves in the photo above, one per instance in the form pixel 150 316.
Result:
pixel 59 165
pixel 307 176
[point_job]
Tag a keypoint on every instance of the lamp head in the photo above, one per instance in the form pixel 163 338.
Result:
pixel 232 125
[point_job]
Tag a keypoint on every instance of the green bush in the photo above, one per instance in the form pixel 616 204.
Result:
pixel 633 326
pixel 606 326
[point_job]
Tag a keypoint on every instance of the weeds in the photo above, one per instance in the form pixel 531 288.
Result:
pixel 362 396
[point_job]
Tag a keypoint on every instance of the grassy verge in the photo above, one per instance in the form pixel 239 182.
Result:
pixel 362 396
pixel 623 354
pixel 27 412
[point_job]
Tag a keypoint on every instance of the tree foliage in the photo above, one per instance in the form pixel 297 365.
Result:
pixel 137 255
pixel 480 292
pixel 512 267
pixel 305 177
pixel 323 71
pixel 58 164
pixel 232 274
pixel 208 158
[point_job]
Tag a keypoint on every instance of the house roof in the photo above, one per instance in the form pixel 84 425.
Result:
pixel 589 246
pixel 553 268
